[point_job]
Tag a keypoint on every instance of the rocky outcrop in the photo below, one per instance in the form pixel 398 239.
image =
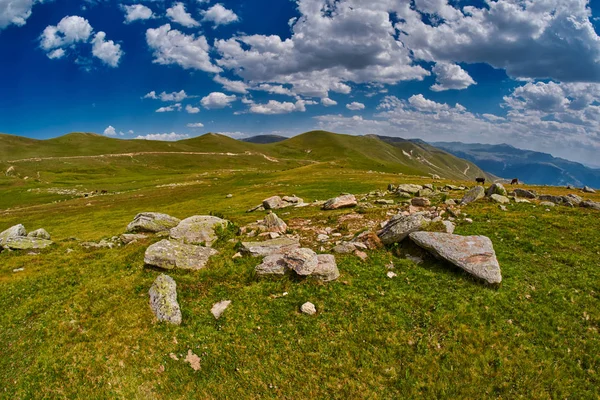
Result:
pixel 199 229
pixel 168 254
pixel 273 203
pixel 303 262
pixel 590 204
pixel 268 247
pixel 152 222
pixel 26 243
pixel 472 195
pixel 163 300
pixel 400 226
pixel 474 254
pixel 344 201
pixel 12 233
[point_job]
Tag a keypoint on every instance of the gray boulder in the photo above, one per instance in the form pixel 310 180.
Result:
pixel 400 226
pixel 344 248
pixel 199 229
pixel 152 222
pixel 425 192
pixel 525 194
pixel 273 203
pixel 588 189
pixel 293 199
pixel 302 261
pixel 572 198
pixel 219 308
pixel 168 254
pixel 547 204
pixel 326 269
pixel 474 254
pixel 500 199
pixel 409 188
pixel 344 201
pixel 40 234
pixel 273 223
pixel 553 199
pixel 420 202
pixel 472 195
pixel 26 243
pixel 590 204
pixel 127 238
pixel 163 300
pixel 273 264
pixel 450 227
pixel 496 188
pixel 268 247
pixel 308 308
pixel 12 233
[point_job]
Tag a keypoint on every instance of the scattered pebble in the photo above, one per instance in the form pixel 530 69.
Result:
pixel 18 269
pixel 219 308
pixel 391 274
pixel 193 359
pixel 308 308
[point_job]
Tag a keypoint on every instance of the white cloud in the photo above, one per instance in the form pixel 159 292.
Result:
pixel 164 96
pixel 165 137
pixel 192 110
pixel 217 100
pixel 70 30
pixel 137 12
pixel 196 125
pixel 327 102
pixel 178 14
pixel 355 106
pixel 275 89
pixel 219 15
pixel 232 86
pixel 110 131
pixel 450 76
pixel 171 108
pixel 171 46
pixel 106 50
pixel 277 107
pixel 56 54
pixel 15 12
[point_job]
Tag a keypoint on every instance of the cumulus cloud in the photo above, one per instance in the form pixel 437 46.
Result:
pixel 277 107
pixel 106 50
pixel 450 76
pixel 178 14
pixel 219 15
pixel 355 106
pixel 137 12
pixel 217 100
pixel 110 131
pixel 165 137
pixel 15 12
pixel 192 110
pixel 164 96
pixel 195 125
pixel 171 46
pixel 232 86
pixel 171 108
pixel 327 102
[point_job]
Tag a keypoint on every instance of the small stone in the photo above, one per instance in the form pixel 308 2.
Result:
pixel 193 359
pixel 236 255
pixel 503 208
pixel 322 238
pixel 391 274
pixel 449 226
pixel 18 269
pixel 361 254
pixel 420 202
pixel 229 196
pixel 468 220
pixel 219 308
pixel 308 308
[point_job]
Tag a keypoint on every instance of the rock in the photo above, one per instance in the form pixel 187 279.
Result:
pixel 10 171
pixel 103 244
pixel 229 196
pixel 169 254
pixel 344 201
pixel 26 243
pixel 428 186
pixel 303 261
pixel 327 269
pixel 384 201
pixel 473 195
pixel 425 192
pixel 553 199
pixel 293 199
pixel 40 234
pixel 18 269
pixel 272 265
pixel 12 233
pixel 520 200
pixel 404 195
pixel 547 204
pixel 322 238
pixel 503 208
pixel 369 239
pixel 500 199
pixel 274 224
pixel 450 202
pixel 572 198
pixel 452 187
pixel 587 189
pixel 163 300
pixel 468 220
pixel 409 188
pixel 308 308
pixel 199 229
pixel 415 259
pixel 193 360
pixel 127 238
pixel 256 208
pixel 152 222
pixel 400 226
pixel 268 247
pixel 219 308
pixel 590 204
pixel 344 248
pixel 361 254
pixel 420 202
pixel 474 254
pixel 391 274
pixel 391 187
pixel 496 188
pixel 272 203
pixel 449 226
pixel 525 194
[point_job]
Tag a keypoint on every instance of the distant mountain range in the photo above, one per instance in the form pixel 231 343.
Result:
pixel 528 166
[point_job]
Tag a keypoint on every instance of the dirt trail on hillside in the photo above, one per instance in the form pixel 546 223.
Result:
pixel 467 170
pixel 193 153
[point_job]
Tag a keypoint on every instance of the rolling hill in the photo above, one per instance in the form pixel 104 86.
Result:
pixel 528 166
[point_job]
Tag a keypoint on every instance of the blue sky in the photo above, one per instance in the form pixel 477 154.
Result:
pixel 516 71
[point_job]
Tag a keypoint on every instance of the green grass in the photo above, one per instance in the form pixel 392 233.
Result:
pixel 78 324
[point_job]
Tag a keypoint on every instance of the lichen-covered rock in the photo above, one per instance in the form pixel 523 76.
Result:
pixel 26 243
pixel 163 300
pixel 420 202
pixel 40 234
pixel 168 254
pixel 400 226
pixel 344 201
pixel 409 188
pixel 474 254
pixel 273 223
pixel 199 229
pixel 500 199
pixel 326 269
pixel 152 222
pixel 472 195
pixel 11 233
pixel 525 194
pixel 273 203
pixel 268 247
pixel 496 188
pixel 303 261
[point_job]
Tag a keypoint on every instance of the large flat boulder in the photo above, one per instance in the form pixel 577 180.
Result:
pixel 472 195
pixel 26 243
pixel 273 264
pixel 169 254
pixel 344 201
pixel 303 261
pixel 152 222
pixel 199 229
pixel 525 194
pixel 326 269
pixel 400 226
pixel 273 203
pixel 268 247
pixel 11 233
pixel 409 188
pixel 163 300
pixel 474 254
